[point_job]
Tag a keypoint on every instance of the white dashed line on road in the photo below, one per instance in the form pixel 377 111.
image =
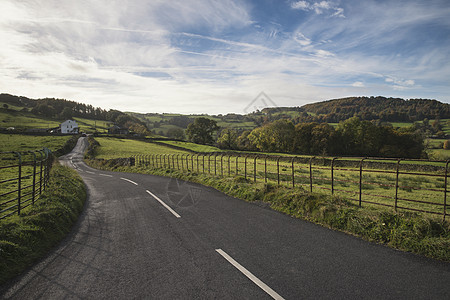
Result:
pixel 249 275
pixel 130 181
pixel 90 172
pixel 164 204
pixel 106 175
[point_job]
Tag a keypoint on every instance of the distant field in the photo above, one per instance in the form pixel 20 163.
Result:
pixel 18 142
pixel 13 117
pixel 87 125
pixel 24 120
pixel 192 146
pixel 118 148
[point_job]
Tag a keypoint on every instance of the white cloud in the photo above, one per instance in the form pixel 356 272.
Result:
pixel 319 7
pixel 198 56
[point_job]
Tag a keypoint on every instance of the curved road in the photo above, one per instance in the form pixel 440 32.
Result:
pixel 150 237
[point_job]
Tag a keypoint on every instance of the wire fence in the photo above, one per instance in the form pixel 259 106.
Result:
pixel 23 178
pixel 414 185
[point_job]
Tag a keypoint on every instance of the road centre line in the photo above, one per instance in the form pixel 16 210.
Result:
pixel 90 172
pixel 106 175
pixel 164 204
pixel 130 181
pixel 249 275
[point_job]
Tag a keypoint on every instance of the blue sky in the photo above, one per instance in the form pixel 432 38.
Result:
pixel 216 56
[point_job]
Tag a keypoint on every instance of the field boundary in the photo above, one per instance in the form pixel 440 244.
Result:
pixel 30 170
pixel 413 185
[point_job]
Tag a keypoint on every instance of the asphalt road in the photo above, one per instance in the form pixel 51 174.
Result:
pixel 149 237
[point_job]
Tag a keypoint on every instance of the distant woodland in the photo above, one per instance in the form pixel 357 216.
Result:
pixel 365 108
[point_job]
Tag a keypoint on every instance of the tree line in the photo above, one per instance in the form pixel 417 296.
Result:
pixel 373 108
pixel 352 137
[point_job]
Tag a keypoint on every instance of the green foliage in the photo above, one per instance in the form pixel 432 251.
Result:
pixel 228 139
pixel 375 108
pixel 352 137
pixel 176 133
pixel 273 137
pixel 26 238
pixel 201 131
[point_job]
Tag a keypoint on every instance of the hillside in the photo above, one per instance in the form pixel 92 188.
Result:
pixel 367 108
pixel 24 113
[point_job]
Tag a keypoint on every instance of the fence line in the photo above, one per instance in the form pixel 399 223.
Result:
pixel 24 176
pixel 413 185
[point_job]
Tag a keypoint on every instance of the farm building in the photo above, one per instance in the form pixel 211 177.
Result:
pixel 69 127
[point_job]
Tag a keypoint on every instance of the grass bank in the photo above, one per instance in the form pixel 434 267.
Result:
pixel 405 231
pixel 26 238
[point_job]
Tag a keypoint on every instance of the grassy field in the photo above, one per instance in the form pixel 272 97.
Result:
pixel 118 148
pixel 18 142
pixel 192 146
pixel 417 192
pixel 90 126
pixel 24 120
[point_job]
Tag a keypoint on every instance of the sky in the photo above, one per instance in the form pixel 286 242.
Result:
pixel 217 57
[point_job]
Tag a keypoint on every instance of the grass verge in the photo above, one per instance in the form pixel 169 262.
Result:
pixel 405 231
pixel 26 238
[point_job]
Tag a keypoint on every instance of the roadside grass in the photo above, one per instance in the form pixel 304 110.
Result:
pixel 59 145
pixel 408 231
pixel 26 238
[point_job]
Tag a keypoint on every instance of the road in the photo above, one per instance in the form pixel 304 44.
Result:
pixel 151 237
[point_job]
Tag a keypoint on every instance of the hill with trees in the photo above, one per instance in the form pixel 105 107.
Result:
pixel 61 109
pixel 366 108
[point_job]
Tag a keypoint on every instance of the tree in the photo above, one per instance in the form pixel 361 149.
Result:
pixel 201 131
pixel 176 133
pixel 228 139
pixel 67 113
pixel 274 137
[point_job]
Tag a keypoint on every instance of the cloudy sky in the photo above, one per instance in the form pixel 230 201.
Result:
pixel 206 56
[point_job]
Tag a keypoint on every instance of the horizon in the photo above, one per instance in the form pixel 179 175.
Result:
pixel 209 57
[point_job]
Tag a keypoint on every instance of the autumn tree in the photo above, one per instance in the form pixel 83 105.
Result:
pixel 201 131
pixel 228 139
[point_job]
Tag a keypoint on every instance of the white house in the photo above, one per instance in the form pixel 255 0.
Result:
pixel 69 126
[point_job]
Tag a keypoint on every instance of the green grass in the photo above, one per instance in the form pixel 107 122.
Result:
pixel 192 146
pixel 18 142
pixel 90 126
pixel 26 238
pixel 13 117
pixel 377 187
pixel 24 120
pixel 401 124
pixel 111 148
